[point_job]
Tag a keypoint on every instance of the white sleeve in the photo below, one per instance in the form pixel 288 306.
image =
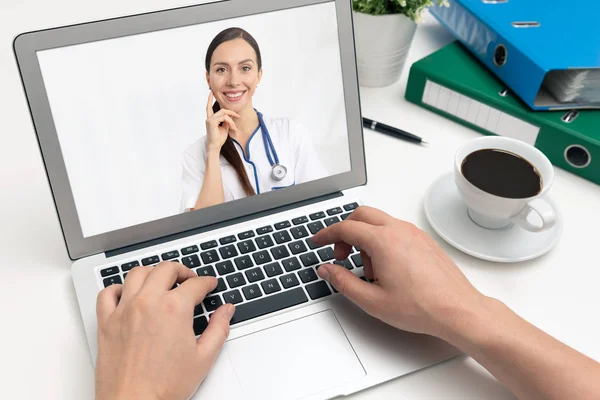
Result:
pixel 192 178
pixel 308 163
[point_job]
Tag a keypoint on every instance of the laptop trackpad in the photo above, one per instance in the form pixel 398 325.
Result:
pixel 295 359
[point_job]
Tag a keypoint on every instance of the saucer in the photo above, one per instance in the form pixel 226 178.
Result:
pixel 447 214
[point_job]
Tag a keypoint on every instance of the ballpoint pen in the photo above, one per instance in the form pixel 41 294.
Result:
pixel 390 130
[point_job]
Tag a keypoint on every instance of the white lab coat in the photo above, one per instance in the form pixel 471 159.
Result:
pixel 293 147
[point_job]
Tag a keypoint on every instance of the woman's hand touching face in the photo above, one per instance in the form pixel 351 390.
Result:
pixel 218 125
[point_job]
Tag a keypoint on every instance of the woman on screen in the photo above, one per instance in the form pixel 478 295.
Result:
pixel 243 152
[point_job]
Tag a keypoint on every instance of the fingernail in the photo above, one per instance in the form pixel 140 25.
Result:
pixel 230 311
pixel 324 272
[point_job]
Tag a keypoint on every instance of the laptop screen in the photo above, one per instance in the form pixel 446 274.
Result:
pixel 142 139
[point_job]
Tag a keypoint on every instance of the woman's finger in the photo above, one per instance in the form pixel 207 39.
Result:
pixel 354 233
pixel 134 282
pixel 209 109
pixel 164 276
pixel 107 302
pixel 230 123
pixel 224 111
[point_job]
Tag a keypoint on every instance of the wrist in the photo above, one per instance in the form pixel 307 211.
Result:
pixel 470 323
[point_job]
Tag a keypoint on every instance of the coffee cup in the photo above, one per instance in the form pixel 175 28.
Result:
pixel 503 182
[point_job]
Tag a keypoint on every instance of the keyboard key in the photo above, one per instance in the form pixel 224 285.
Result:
pixel 351 206
pixel 273 269
pixel 297 247
pixel 331 220
pixel 233 297
pixel 344 263
pixel 344 216
pixel 209 257
pixel 254 275
pixel 325 254
pixel 317 215
pixel 125 275
pixel 198 310
pixel 308 275
pixel 228 251
pixel 264 242
pixel 309 259
pixel 109 271
pixel 251 292
pixel 282 225
pixel 220 286
pixel 191 261
pixel 315 227
pixel 267 305
pixel 200 325
pixel 262 257
pixel 279 252
pixel 169 255
pixel 150 260
pixel 227 240
pixel 245 235
pixel 212 303
pixel 291 264
pixel 282 237
pixel 236 280
pixel 243 262
pixel 225 267
pixel 299 220
pixel 357 259
pixel 264 229
pixel 112 280
pixel 289 281
pixel 299 232
pixel 206 271
pixel 311 244
pixel 317 290
pixel 246 246
pixel 336 210
pixel 209 245
pixel 270 286
pixel 189 250
pixel 127 266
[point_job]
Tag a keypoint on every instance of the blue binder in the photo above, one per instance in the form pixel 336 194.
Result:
pixel 522 41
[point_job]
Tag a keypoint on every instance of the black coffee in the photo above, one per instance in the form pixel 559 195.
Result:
pixel 502 173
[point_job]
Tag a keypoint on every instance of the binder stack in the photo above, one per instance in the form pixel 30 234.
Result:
pixel 545 51
pixel 455 84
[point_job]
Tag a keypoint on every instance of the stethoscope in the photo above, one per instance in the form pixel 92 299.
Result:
pixel 278 171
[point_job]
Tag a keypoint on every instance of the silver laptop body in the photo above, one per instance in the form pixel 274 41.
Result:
pixel 298 338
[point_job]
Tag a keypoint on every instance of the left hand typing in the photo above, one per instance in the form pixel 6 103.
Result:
pixel 146 343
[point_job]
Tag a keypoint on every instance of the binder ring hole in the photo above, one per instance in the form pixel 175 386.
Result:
pixel 578 156
pixel 570 116
pixel 526 24
pixel 500 55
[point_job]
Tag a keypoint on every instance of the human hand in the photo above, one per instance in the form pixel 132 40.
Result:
pixel 217 133
pixel 147 348
pixel 417 286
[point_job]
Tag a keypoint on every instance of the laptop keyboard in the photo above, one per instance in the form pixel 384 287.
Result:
pixel 261 271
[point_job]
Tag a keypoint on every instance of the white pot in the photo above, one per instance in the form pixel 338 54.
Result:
pixel 382 44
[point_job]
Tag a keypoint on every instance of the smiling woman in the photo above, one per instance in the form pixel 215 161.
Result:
pixel 243 153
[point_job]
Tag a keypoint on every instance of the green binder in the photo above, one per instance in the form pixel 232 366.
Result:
pixel 454 84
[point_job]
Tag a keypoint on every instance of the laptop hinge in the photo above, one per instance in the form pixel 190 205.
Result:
pixel 169 238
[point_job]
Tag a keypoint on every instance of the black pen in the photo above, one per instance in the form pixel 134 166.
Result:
pixel 390 130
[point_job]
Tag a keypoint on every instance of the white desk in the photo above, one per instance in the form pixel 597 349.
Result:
pixel 43 351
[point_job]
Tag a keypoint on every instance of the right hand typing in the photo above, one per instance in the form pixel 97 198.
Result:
pixel 417 286
pixel 217 135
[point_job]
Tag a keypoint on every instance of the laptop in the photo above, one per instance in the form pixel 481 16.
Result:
pixel 118 104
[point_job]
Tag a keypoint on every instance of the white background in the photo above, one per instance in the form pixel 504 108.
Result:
pixel 126 109
pixel 42 342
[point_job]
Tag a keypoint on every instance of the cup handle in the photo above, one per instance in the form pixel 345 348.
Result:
pixel 543 209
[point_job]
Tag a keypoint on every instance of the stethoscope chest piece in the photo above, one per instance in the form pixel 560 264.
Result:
pixel 278 172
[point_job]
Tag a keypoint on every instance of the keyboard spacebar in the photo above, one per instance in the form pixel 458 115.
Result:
pixel 289 298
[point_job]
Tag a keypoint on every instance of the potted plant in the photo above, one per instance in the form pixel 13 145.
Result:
pixel 383 31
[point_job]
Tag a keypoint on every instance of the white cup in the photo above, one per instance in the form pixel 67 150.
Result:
pixel 494 212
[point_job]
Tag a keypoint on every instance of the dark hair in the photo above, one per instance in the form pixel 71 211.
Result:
pixel 228 151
